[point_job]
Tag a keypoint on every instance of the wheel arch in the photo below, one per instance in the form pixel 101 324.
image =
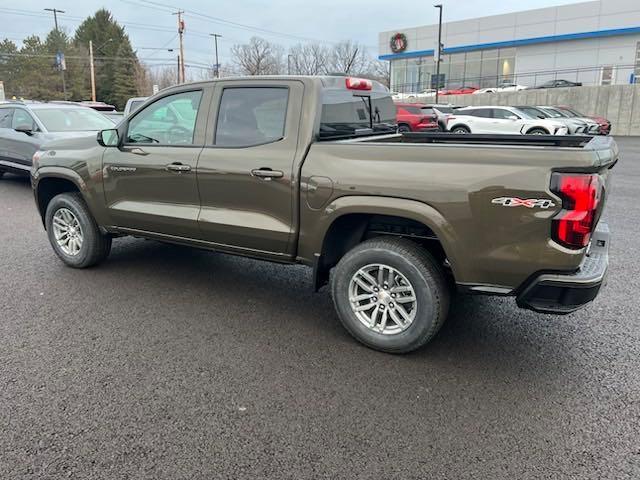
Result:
pixel 52 182
pixel 351 218
pixel 460 125
pixel 537 127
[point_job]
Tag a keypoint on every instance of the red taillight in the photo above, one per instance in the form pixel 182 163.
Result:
pixel 580 195
pixel 358 83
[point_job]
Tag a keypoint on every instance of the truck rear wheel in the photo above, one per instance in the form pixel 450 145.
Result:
pixel 73 233
pixel 390 294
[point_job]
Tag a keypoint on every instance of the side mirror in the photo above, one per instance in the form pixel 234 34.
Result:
pixel 109 138
pixel 28 129
pixel 512 117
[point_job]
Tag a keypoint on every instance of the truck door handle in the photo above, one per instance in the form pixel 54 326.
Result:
pixel 267 173
pixel 178 167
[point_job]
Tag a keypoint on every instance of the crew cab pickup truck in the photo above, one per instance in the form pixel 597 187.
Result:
pixel 310 170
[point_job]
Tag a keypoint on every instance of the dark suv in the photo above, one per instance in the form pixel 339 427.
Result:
pixel 26 126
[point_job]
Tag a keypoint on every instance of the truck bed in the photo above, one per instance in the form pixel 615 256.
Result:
pixel 575 141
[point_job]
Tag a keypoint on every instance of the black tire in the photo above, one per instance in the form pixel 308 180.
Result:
pixel 537 131
pixel 2 172
pixel 427 278
pixel 460 130
pixel 95 245
pixel 403 128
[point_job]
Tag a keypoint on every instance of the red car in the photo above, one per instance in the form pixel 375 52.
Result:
pixel 415 117
pixel 459 91
pixel 605 125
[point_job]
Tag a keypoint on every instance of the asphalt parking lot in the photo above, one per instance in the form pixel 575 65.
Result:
pixel 171 363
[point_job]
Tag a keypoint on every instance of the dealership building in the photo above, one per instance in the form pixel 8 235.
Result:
pixel 595 43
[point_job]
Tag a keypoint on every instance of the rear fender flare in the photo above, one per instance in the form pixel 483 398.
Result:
pixel 399 207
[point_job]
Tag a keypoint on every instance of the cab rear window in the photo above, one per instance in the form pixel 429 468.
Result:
pixel 346 113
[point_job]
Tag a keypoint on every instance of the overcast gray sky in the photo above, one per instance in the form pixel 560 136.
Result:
pixel 287 21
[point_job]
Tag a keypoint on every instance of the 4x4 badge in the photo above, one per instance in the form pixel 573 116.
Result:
pixel 519 202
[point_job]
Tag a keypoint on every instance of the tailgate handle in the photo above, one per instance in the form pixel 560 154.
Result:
pixel 267 173
pixel 178 167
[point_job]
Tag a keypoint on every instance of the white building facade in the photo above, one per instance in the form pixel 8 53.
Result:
pixel 595 43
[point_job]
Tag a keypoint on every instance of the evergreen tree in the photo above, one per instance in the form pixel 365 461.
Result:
pixel 116 63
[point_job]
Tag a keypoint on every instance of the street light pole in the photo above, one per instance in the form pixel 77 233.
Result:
pixel 215 40
pixel 438 51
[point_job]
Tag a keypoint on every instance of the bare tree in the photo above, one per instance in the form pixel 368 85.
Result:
pixel 309 59
pixel 378 70
pixel 349 58
pixel 163 77
pixel 258 57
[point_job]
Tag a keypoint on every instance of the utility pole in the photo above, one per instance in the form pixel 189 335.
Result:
pixel 92 67
pixel 93 73
pixel 178 68
pixel 215 39
pixel 181 56
pixel 61 66
pixel 55 15
pixel 438 51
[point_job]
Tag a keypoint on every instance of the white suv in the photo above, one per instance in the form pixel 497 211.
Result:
pixel 498 119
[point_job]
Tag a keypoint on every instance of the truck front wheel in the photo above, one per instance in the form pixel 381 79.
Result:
pixel 73 233
pixel 390 294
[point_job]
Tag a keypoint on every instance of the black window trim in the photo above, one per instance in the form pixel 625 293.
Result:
pixel 235 87
pixel 169 94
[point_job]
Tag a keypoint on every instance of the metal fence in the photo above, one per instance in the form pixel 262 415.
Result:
pixel 593 75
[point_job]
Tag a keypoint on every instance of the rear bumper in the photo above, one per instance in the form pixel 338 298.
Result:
pixel 562 293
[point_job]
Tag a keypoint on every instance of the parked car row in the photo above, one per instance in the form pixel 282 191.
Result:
pixel 506 86
pixel 524 119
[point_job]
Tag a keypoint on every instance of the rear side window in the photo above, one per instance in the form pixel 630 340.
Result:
pixel 251 116
pixel 5 117
pixel 503 114
pixel 483 112
pixel 412 110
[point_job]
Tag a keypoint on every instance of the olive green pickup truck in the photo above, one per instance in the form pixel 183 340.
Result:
pixel 310 170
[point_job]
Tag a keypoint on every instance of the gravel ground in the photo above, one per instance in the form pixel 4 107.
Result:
pixel 172 363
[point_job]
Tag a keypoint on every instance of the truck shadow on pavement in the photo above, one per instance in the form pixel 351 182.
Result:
pixel 481 332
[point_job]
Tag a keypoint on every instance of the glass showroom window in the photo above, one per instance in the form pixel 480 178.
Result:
pixel 426 68
pixel 456 71
pixel 489 72
pixel 473 68
pixel 507 64
pixel 398 69
pixel 411 82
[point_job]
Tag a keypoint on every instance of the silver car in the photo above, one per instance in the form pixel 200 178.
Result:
pixel 26 126
pixel 574 125
pixel 592 127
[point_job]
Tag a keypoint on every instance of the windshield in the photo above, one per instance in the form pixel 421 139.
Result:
pixel 573 112
pixel 553 113
pixel 443 109
pixel 526 114
pixel 533 112
pixel 72 119
pixel 135 104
